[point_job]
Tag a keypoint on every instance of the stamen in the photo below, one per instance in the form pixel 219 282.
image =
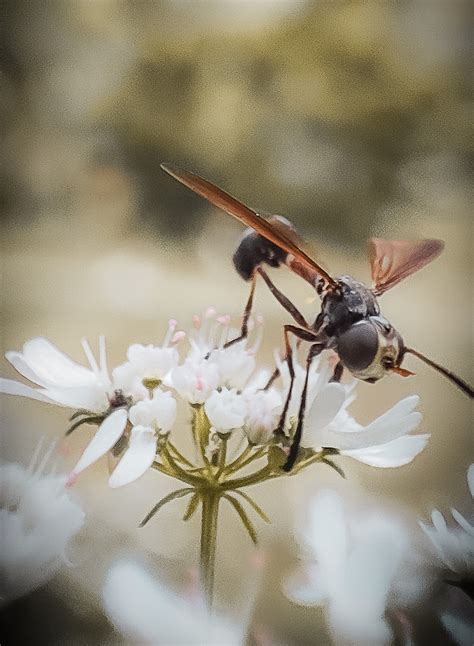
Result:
pixel 210 312
pixel 44 461
pixel 196 321
pixel 259 337
pixel 178 336
pixel 171 328
pixel 72 479
pixel 224 321
pixel 36 453
pixel 90 356
pixel 103 358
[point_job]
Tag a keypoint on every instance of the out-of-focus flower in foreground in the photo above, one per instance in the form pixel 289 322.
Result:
pixel 144 611
pixel 38 518
pixel 454 545
pixel 353 567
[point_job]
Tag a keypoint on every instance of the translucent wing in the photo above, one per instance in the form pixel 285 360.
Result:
pixel 393 260
pixel 277 232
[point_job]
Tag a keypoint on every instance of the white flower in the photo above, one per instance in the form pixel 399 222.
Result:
pixel 147 363
pixel 353 568
pixel 263 413
pixel 455 546
pixel 62 381
pixel 385 442
pixel 226 410
pixel 145 612
pixel 195 380
pixel 37 521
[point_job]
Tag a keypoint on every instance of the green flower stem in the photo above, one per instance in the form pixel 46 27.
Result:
pixel 210 509
pixel 179 456
pixel 235 464
pixel 254 478
pixel 176 471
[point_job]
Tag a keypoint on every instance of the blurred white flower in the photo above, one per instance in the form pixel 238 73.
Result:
pixel 146 612
pixel 455 545
pixel 226 410
pixel 62 381
pixel 353 569
pixel 37 520
pixel 385 442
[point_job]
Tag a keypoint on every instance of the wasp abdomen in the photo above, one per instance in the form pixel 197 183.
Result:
pixel 253 250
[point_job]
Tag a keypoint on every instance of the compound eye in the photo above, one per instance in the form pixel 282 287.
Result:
pixel 358 346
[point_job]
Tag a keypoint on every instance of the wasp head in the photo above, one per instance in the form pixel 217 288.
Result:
pixel 371 348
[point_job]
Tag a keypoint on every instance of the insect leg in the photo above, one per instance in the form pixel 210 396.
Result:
pixel 283 300
pixel 337 374
pixel 306 335
pixel 246 315
pixel 314 350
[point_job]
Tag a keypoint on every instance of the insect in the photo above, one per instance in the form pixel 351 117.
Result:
pixel 349 322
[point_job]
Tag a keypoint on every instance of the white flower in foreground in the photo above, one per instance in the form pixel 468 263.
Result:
pixel 226 410
pixel 146 612
pixel 60 379
pixel 37 520
pixel 353 568
pixel 385 442
pixel 455 546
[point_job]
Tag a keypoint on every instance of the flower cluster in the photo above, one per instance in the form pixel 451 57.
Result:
pixel 135 406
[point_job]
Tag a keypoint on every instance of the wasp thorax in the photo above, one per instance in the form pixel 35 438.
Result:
pixel 370 348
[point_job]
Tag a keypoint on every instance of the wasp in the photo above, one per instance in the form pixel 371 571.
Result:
pixel 350 322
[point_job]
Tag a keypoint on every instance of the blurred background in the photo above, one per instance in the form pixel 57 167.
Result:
pixel 351 118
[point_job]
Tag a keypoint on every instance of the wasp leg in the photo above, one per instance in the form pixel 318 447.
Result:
pixel 245 318
pixel 283 300
pixel 337 374
pixel 314 350
pixel 305 335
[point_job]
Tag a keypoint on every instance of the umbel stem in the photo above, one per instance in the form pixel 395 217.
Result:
pixel 209 513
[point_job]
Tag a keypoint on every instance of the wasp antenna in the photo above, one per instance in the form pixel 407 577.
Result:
pixel 460 383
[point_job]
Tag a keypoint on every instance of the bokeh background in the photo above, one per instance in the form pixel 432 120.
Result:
pixel 351 118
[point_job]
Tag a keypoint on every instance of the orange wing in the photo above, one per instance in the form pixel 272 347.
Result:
pixel 393 260
pixel 272 231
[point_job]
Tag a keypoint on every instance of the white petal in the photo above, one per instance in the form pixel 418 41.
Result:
pixel 11 387
pixel 392 454
pixel 93 398
pixel 326 535
pixel 137 458
pixel 325 407
pixel 106 437
pixel 53 366
pixel 145 612
pixel 17 360
pixel 396 422
pixel 470 479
